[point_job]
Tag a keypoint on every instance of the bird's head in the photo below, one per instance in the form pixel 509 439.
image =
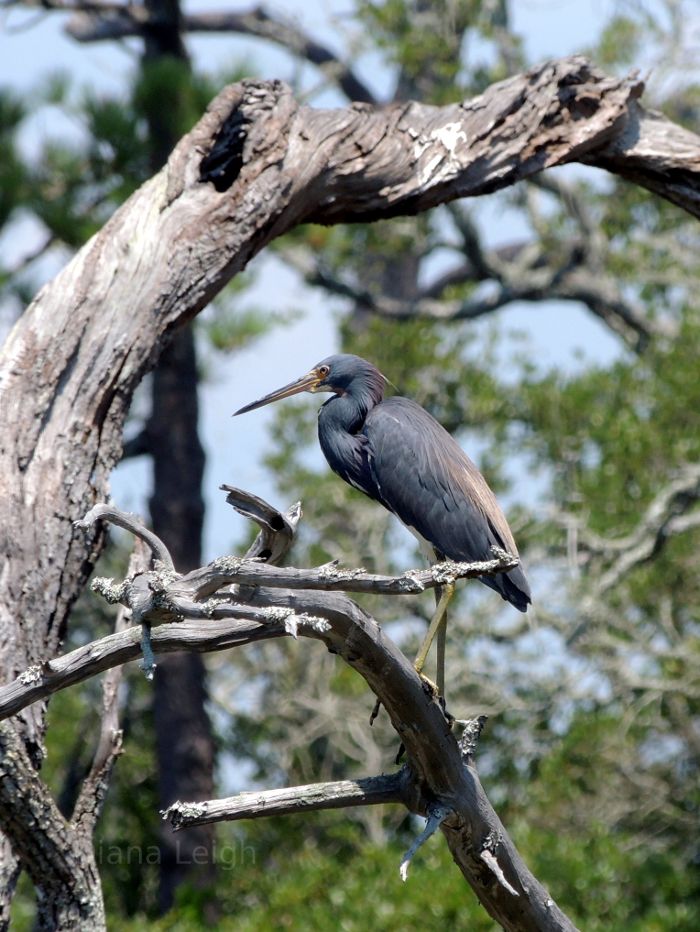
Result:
pixel 342 374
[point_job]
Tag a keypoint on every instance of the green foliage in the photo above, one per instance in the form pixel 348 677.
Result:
pixel 619 42
pixel 428 43
pixel 12 172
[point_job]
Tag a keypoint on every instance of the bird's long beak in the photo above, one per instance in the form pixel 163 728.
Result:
pixel 307 383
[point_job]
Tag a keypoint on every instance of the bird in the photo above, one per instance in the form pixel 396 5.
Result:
pixel 399 455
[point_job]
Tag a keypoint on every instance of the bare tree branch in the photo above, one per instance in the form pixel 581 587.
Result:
pixel 340 794
pixel 520 272
pixel 231 570
pixel 277 529
pixel 223 630
pixel 226 571
pixel 107 512
pixel 580 284
pixel 666 515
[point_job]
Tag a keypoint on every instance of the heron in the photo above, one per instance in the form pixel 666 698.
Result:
pixel 395 452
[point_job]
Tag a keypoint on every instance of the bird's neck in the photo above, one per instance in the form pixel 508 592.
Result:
pixel 345 413
pixel 340 423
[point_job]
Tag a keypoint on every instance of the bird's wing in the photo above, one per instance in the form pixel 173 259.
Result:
pixel 427 480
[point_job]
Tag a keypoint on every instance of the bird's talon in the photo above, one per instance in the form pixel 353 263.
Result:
pixel 429 687
pixel 432 690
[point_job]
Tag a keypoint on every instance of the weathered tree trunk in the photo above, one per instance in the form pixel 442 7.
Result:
pixel 255 166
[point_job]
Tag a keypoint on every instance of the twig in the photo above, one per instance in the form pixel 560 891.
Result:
pixel 436 816
pixel 131 523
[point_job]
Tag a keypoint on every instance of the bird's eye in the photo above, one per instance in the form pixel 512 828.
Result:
pixel 323 371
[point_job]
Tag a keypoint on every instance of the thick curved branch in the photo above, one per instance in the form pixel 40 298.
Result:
pixel 655 154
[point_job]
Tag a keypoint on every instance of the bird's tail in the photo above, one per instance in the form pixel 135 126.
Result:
pixel 512 586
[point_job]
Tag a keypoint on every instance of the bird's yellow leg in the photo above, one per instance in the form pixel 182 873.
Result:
pixel 437 626
pixel 441 641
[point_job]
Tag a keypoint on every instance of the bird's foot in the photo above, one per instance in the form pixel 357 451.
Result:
pixel 433 691
pixel 429 686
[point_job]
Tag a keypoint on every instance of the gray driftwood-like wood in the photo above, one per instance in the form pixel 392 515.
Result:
pixel 331 578
pixel 338 794
pixel 255 166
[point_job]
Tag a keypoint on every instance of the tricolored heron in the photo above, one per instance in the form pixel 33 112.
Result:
pixel 396 453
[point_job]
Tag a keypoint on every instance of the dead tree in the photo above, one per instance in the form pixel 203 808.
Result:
pixel 255 166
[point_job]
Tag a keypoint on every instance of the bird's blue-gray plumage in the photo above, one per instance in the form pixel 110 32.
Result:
pixel 399 455
pixel 395 452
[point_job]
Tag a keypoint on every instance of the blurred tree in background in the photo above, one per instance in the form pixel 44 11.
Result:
pixel 592 750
